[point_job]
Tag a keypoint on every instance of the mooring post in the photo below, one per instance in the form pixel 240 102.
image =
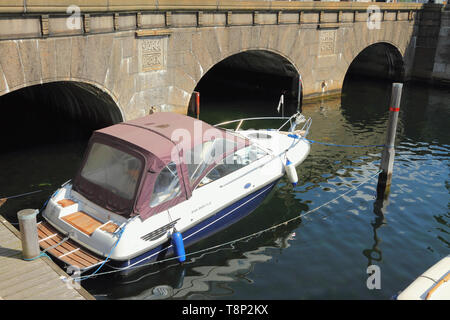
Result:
pixel 28 233
pixel 197 104
pixel 299 97
pixel 388 154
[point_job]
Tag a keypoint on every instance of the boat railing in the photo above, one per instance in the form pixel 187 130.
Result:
pixel 293 120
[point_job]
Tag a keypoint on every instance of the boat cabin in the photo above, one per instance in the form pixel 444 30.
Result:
pixel 145 166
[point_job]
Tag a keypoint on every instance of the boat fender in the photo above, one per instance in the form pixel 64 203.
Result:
pixel 291 172
pixel 178 245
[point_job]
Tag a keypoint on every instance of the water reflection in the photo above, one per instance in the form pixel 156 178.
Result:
pixel 374 253
pixel 196 279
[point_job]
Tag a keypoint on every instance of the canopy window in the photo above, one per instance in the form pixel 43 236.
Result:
pixel 167 186
pixel 113 170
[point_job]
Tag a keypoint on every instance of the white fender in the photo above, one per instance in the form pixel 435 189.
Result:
pixel 291 172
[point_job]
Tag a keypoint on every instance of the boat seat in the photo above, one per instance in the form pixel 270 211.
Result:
pixel 87 224
pixel 83 222
pixel 66 202
pixel 110 227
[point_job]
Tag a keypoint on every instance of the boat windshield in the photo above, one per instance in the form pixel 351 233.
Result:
pixel 202 156
pixel 112 169
pixel 234 162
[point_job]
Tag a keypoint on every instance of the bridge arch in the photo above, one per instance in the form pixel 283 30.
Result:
pixel 88 62
pixel 46 109
pixel 382 60
pixel 91 86
pixel 252 70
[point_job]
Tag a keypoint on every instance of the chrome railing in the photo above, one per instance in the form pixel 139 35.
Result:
pixel 293 120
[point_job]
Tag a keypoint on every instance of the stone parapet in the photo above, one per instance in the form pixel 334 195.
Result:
pixel 98 6
pixel 39 18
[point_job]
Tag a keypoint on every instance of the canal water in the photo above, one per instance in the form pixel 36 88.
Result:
pixel 324 254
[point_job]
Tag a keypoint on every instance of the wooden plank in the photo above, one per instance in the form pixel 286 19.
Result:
pixel 54 241
pixel 57 291
pixel 15 265
pixel 71 245
pixel 66 202
pixel 39 289
pixel 6 237
pixel 14 250
pixel 67 247
pixel 60 250
pixel 110 227
pixel 9 262
pixel 72 259
pixel 80 258
pixel 26 283
pixel 82 222
pixel 36 279
pixel 19 266
pixel 23 273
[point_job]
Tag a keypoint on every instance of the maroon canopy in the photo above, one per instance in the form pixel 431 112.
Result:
pixel 123 161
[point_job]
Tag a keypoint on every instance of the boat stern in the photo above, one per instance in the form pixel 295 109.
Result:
pixel 85 226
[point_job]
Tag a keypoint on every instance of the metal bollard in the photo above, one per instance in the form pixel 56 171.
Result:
pixel 28 233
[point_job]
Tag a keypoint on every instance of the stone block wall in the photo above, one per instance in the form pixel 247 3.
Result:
pixel 441 67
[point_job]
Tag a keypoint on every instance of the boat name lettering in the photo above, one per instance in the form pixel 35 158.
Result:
pixel 201 207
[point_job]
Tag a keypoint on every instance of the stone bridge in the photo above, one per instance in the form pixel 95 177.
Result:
pixel 132 55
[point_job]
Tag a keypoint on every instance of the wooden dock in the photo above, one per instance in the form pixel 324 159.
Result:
pixel 39 279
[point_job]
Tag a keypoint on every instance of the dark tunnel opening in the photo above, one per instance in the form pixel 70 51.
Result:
pixel 45 129
pixel 53 113
pixel 247 84
pixel 371 74
pixel 378 62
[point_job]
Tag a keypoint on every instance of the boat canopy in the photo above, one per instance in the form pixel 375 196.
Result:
pixel 145 166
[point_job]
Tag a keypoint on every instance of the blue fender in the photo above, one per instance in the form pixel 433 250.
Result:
pixel 178 245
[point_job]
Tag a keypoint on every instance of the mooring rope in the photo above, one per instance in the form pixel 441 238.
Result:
pixel 43 253
pixel 120 232
pixel 235 240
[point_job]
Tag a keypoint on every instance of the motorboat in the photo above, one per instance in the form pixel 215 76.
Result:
pixel 150 187
pixel 433 284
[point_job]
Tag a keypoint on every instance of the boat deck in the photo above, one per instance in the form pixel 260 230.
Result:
pixel 39 279
pixel 65 249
